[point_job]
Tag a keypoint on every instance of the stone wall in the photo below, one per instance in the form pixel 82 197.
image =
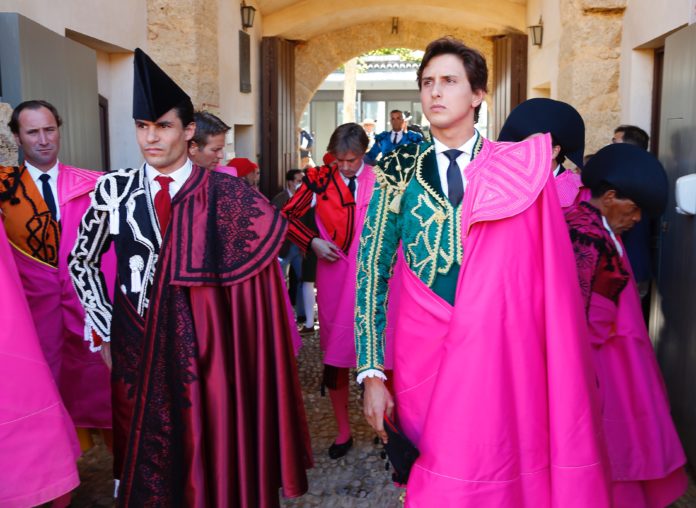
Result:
pixel 8 148
pixel 589 65
pixel 316 58
pixel 183 40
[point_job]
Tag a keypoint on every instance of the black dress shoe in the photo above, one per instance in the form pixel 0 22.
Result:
pixel 306 329
pixel 336 451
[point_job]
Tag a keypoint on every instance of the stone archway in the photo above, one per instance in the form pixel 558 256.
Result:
pixel 316 58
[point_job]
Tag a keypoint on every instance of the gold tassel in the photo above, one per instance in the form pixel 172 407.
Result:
pixel 395 205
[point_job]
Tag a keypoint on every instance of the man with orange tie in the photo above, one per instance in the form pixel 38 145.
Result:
pixel 194 357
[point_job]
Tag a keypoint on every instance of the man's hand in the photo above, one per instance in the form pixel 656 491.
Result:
pixel 106 354
pixel 325 250
pixel 377 401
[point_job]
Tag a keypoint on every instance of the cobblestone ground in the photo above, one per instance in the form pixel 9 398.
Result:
pixel 357 480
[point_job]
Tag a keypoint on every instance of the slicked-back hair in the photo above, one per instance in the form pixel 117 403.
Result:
pixel 290 174
pixel 184 110
pixel 473 61
pixel 396 111
pixel 634 135
pixel 349 137
pixel 13 124
pixel 207 124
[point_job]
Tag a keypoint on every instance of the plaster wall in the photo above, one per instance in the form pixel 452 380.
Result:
pixel 239 110
pixel 646 23
pixel 122 23
pixel 542 61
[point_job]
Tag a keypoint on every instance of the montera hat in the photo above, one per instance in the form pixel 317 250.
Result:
pixel 154 93
pixel 633 172
pixel 547 115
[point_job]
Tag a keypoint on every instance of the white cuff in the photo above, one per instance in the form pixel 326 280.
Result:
pixel 371 373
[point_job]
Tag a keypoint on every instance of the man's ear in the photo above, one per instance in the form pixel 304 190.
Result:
pixel 193 148
pixel 477 97
pixel 189 131
pixel 555 151
pixel 17 140
pixel 608 198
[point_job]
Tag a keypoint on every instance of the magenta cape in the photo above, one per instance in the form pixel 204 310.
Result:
pixel 336 288
pixel 296 338
pixel 513 420
pixel 568 185
pixel 38 446
pixel 82 376
pixel 643 445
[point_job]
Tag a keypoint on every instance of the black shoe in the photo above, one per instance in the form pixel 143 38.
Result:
pixel 306 329
pixel 336 451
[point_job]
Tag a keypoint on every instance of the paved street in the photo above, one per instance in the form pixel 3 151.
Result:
pixel 357 480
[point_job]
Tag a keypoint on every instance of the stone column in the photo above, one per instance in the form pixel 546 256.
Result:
pixel 589 64
pixel 183 40
pixel 350 85
pixel 8 148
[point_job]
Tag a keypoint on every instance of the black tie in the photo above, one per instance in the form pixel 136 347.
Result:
pixel 351 185
pixel 454 178
pixel 48 195
pixel 394 138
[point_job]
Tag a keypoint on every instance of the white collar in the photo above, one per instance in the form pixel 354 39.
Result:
pixel 357 173
pixel 556 171
pixel 36 172
pixel 613 236
pixel 179 176
pixel 467 147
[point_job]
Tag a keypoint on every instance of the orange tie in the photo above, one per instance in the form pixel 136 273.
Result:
pixel 163 201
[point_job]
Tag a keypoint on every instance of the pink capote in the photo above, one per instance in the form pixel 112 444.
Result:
pixel 38 445
pixel 568 185
pixel 228 170
pixel 643 445
pixel 82 376
pixel 513 420
pixel 336 289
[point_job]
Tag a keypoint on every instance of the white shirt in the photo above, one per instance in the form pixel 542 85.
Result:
pixel 443 161
pixel 399 135
pixel 53 182
pixel 179 176
pixel 556 171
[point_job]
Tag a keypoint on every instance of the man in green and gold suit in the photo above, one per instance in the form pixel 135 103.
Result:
pixel 493 380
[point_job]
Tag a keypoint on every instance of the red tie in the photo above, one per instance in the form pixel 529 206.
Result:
pixel 163 201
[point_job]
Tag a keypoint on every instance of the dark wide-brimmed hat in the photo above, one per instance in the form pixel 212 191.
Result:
pixel 547 115
pixel 154 92
pixel 633 172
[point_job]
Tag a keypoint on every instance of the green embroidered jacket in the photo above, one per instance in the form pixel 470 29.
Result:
pixel 407 206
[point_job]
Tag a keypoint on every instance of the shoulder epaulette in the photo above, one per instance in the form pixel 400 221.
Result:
pixel 9 181
pixel 396 169
pixel 317 178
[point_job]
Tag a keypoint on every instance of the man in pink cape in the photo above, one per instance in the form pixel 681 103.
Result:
pixel 493 376
pixel 38 449
pixel 43 201
pixel 644 450
pixel 340 192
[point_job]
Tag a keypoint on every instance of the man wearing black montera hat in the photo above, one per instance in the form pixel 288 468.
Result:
pixel 207 405
pixel 567 129
pixel 645 454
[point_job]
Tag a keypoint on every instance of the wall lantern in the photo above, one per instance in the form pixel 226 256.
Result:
pixel 395 26
pixel 248 13
pixel 536 32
